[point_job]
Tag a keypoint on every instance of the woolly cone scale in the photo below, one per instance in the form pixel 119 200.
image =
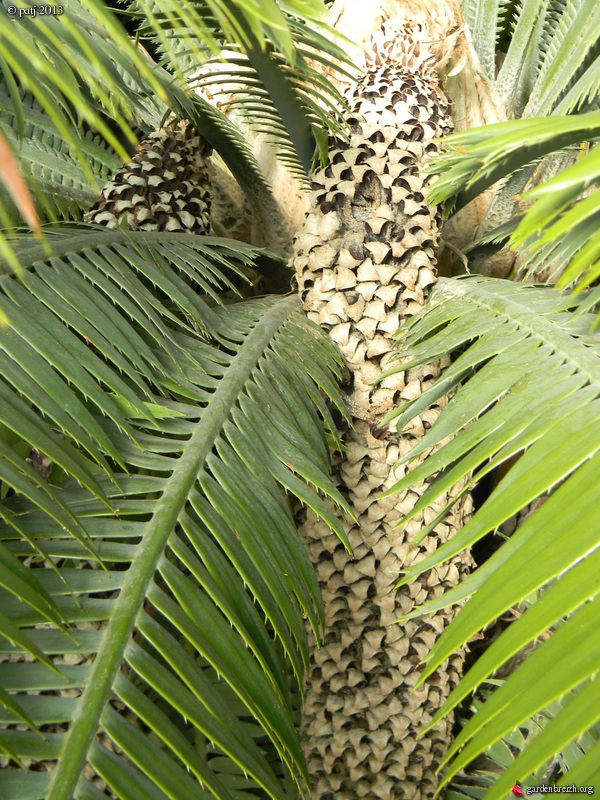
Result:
pixel 364 261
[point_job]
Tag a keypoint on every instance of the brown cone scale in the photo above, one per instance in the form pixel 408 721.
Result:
pixel 365 262
pixel 165 186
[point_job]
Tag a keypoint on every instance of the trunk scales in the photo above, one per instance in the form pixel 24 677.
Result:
pixel 365 261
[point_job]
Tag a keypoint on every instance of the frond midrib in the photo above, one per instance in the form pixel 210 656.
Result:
pixel 139 577
pixel 558 339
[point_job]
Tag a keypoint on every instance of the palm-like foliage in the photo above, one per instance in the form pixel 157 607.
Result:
pixel 178 452
pixel 248 62
pixel 81 71
pixel 541 60
pixel 527 368
pixel 548 53
pixel 77 65
pixel 531 380
pixel 503 753
pixel 61 186
pixel 558 231
pixel 13 183
pixel 168 622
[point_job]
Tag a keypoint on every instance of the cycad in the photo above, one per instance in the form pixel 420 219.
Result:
pixel 373 195
pixel 118 346
pixel 531 345
pixel 184 423
pixel 518 342
pixel 365 262
pixel 387 658
pixel 121 366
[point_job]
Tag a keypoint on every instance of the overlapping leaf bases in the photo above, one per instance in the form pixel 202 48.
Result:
pixel 185 430
pixel 365 261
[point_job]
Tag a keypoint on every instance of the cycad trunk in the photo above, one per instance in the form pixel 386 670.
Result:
pixel 364 262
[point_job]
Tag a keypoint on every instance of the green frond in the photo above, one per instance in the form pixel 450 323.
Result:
pixel 194 31
pixel 274 82
pixel 271 102
pixel 282 101
pixel 77 65
pixel 475 160
pixel 550 52
pixel 558 231
pixel 178 585
pixel 62 76
pixel 518 73
pixel 485 20
pixel 569 45
pixel 91 71
pixel 502 755
pixel 125 84
pixel 561 226
pixel 59 184
pixel 584 91
pixel 64 333
pixel 530 385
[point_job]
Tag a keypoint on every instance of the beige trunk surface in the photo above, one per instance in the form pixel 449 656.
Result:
pixel 364 262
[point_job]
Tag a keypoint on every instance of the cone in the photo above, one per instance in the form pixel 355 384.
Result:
pixel 365 263
pixel 164 187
